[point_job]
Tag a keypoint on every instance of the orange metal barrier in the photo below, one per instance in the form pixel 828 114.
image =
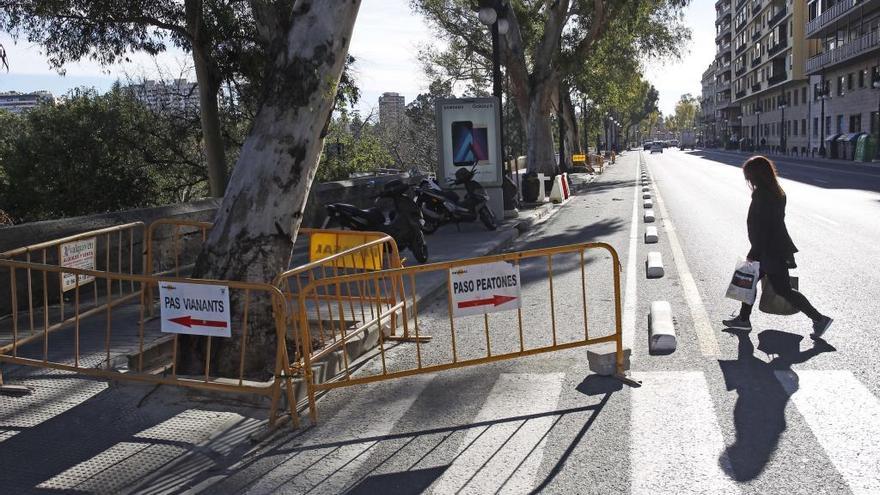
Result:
pixel 69 329
pixel 524 332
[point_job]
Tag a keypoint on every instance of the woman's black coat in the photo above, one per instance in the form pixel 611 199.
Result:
pixel 771 244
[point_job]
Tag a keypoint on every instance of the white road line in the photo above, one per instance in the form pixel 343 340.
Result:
pixel 845 417
pixel 824 219
pixel 675 441
pixel 630 297
pixel 505 457
pixel 702 327
pixel 331 469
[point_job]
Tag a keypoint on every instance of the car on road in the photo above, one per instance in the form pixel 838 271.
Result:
pixel 656 148
pixel 673 143
pixel 648 145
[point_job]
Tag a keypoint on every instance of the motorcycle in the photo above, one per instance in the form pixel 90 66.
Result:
pixel 403 223
pixel 440 206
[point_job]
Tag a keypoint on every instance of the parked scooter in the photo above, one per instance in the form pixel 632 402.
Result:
pixel 403 223
pixel 441 206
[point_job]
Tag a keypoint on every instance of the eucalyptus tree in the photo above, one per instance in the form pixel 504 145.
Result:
pixel 546 42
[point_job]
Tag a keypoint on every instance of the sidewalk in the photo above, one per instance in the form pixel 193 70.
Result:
pixel 79 434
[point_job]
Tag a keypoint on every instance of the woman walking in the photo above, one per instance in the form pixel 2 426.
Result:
pixel 771 244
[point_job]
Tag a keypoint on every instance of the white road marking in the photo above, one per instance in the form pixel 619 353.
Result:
pixel 675 441
pixel 505 457
pixel 331 469
pixel 630 297
pixel 845 417
pixel 824 219
pixel 702 327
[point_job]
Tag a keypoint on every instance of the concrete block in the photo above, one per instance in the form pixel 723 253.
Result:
pixel 654 265
pixel 661 331
pixel 651 236
pixel 646 196
pixel 649 216
pixel 602 358
pixel 542 189
pixel 648 204
pixel 646 189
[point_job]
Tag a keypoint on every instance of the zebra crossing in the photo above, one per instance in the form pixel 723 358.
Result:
pixel 674 440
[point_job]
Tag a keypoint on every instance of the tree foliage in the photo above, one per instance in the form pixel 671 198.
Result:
pixel 93 154
pixel 685 116
pixel 547 44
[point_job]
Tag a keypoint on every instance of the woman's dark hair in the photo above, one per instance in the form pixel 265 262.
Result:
pixel 760 173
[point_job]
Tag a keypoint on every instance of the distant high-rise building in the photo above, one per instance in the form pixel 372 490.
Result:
pixel 178 96
pixel 391 109
pixel 15 102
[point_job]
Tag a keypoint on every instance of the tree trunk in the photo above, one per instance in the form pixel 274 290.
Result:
pixel 209 87
pixel 257 223
pixel 572 143
pixel 539 135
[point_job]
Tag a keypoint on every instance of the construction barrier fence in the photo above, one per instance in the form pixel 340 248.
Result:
pixel 497 307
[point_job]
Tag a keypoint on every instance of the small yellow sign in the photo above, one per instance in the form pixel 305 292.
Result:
pixel 325 244
pixel 579 158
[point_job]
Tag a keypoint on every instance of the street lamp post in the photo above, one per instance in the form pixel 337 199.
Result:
pixel 782 104
pixel 492 13
pixel 822 92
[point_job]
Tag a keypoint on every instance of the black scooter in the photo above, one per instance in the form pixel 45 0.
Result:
pixel 403 223
pixel 441 206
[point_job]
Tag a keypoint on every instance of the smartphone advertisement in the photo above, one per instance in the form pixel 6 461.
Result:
pixel 469 137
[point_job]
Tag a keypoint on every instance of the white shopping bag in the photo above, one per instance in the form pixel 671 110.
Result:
pixel 744 284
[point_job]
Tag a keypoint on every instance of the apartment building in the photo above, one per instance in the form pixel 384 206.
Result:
pixel 843 40
pixel 708 122
pixel 15 102
pixel 177 96
pixel 391 109
pixel 770 86
pixel 726 111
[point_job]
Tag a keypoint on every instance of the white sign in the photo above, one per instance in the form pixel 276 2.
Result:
pixel 469 134
pixel 77 254
pixel 485 288
pixel 195 309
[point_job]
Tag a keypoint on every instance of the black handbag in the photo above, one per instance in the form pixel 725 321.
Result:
pixel 773 303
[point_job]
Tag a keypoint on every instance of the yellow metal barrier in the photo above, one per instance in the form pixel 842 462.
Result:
pixel 31 346
pixel 525 330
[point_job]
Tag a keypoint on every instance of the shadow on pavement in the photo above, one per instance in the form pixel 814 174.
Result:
pixel 815 174
pixel 77 435
pixel 242 476
pixel 759 414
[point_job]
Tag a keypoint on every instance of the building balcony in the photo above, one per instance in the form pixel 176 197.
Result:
pixel 777 78
pixel 740 71
pixel 844 10
pixel 740 94
pixel 756 87
pixel 756 62
pixel 850 51
pixel 778 16
pixel 756 35
pixel 778 47
pixel 723 31
pixel 756 7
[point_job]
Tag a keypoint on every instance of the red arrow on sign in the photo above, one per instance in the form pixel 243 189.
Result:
pixel 495 300
pixel 189 322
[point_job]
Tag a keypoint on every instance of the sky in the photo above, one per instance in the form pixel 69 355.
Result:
pixel 385 43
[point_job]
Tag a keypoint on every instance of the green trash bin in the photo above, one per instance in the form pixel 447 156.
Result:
pixel 866 148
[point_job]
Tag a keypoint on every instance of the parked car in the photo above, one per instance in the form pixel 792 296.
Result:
pixel 656 148
pixel 674 143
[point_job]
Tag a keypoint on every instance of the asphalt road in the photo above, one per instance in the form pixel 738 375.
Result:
pixel 766 412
